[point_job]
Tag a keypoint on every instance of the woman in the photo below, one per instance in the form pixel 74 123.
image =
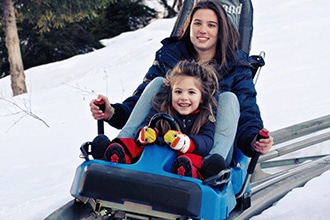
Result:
pixel 207 36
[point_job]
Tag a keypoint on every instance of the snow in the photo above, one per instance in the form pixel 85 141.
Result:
pixel 39 154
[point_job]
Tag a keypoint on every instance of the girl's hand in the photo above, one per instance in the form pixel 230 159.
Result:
pixel 177 141
pixel 147 135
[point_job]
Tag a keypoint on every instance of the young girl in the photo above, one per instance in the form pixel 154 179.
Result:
pixel 188 96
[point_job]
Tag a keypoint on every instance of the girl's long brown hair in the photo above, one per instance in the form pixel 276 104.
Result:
pixel 208 84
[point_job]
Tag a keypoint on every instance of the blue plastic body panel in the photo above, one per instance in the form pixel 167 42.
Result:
pixel 149 178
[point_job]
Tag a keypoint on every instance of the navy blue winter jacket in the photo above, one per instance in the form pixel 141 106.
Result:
pixel 236 78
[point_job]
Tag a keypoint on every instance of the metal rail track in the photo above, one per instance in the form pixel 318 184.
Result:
pixel 266 188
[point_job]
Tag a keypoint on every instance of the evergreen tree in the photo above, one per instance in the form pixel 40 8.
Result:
pixel 48 14
pixel 43 15
pixel 47 36
pixel 122 16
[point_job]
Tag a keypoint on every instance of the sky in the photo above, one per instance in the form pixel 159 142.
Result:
pixel 41 131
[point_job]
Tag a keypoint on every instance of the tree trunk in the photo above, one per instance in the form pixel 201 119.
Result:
pixel 14 52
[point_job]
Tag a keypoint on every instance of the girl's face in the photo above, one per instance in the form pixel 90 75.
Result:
pixel 186 94
pixel 204 33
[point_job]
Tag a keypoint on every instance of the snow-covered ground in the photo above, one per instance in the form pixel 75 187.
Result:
pixel 39 154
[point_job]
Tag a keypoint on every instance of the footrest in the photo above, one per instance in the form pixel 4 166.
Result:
pixel 219 180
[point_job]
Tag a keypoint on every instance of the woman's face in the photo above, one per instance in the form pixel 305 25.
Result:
pixel 186 94
pixel 204 33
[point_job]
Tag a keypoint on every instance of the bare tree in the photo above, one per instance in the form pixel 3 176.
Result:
pixel 177 4
pixel 171 11
pixel 14 52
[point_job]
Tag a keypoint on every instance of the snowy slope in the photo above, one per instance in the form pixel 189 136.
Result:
pixel 38 159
